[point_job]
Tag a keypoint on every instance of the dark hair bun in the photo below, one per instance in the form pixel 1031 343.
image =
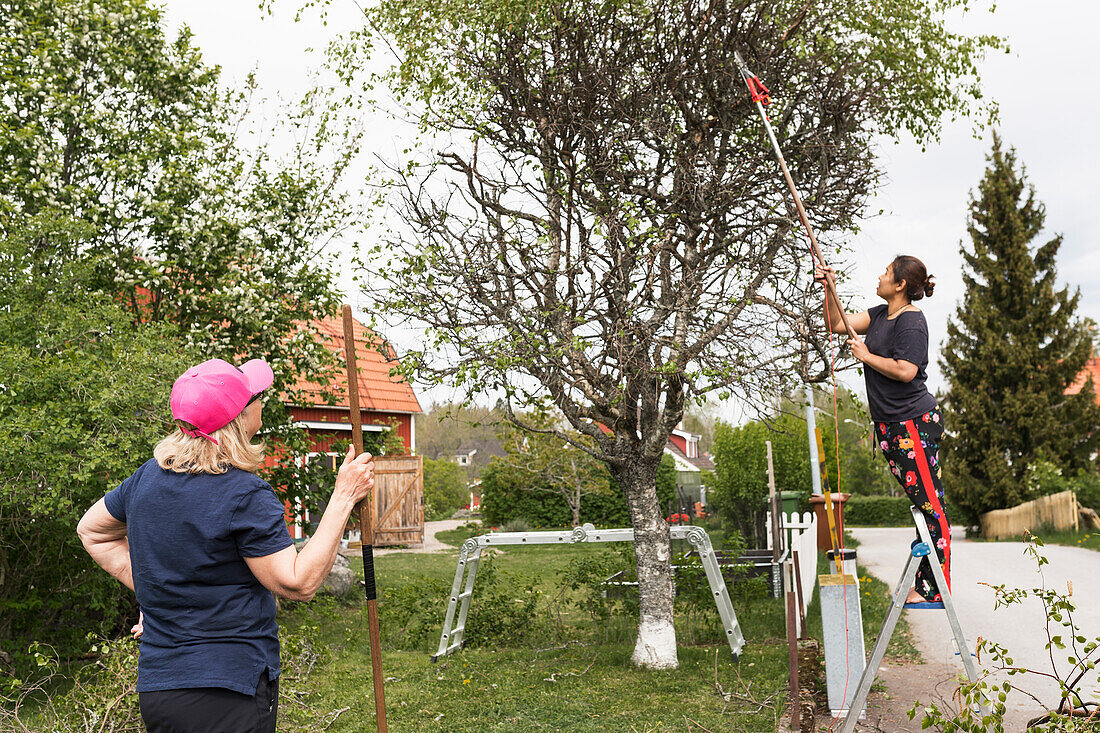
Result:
pixel 929 286
pixel 918 283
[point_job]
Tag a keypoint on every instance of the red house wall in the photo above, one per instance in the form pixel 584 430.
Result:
pixel 339 415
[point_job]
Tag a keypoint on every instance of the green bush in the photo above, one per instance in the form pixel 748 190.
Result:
pixel 519 524
pixel 445 489
pixel 503 499
pixel 83 399
pixel 504 609
pixel 414 611
pixel 1087 486
pixel 886 511
pixel 1045 478
pixel 878 511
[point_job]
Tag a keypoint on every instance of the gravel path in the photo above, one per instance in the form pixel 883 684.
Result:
pixel 431 544
pixel 1020 628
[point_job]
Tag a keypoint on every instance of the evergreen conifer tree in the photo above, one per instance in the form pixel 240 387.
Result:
pixel 1012 349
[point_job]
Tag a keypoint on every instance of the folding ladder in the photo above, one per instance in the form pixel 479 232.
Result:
pixel 920 550
pixel 469 555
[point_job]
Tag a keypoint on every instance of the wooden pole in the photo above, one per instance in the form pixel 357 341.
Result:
pixel 792 651
pixel 365 510
pixel 815 251
pixel 776 524
pixel 803 634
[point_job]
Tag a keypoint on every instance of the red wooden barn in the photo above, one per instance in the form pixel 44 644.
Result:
pixel 386 402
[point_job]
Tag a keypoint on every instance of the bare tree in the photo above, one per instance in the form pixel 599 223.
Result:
pixel 601 220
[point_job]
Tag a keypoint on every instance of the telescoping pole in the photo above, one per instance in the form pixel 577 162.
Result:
pixel 365 510
pixel 760 98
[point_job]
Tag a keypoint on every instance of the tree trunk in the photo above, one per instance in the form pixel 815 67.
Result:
pixel 656 645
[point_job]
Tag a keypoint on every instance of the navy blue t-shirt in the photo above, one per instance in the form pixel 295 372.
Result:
pixel 905 337
pixel 208 621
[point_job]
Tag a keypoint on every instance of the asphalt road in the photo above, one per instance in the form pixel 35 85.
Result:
pixel 1020 628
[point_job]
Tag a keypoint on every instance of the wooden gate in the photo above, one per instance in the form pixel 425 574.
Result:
pixel 399 500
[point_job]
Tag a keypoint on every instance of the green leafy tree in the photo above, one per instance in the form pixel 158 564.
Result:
pixel 445 488
pixel 601 222
pixel 105 119
pixel 506 496
pixel 83 399
pixel 741 469
pixel 542 462
pixel 1013 348
pixel 740 456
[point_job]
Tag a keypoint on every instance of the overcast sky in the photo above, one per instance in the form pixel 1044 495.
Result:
pixel 1047 89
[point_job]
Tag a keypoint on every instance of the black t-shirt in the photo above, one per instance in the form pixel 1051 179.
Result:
pixel 905 337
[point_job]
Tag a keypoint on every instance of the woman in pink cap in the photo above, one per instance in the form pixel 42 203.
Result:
pixel 202 541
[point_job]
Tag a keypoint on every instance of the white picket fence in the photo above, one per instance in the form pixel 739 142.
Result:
pixel 801 536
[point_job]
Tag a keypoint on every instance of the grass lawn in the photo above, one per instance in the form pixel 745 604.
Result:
pixel 570 673
pixel 1089 539
pixel 544 653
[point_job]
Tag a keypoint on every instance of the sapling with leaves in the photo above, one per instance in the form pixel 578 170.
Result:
pixel 1072 712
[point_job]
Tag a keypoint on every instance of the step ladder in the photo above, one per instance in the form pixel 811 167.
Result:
pixel 469 556
pixel 919 551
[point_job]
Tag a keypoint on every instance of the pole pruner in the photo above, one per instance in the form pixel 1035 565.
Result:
pixel 761 98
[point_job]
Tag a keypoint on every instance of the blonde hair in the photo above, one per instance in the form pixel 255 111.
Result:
pixel 184 453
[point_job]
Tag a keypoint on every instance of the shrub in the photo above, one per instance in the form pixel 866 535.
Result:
pixel 504 499
pixel 504 609
pixel 445 489
pixel 519 524
pixel 1045 478
pixel 878 511
pixel 414 611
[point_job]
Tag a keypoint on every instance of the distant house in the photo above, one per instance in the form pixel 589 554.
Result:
pixel 1092 369
pixel 464 456
pixel 385 402
pixel 683 446
pixel 474 454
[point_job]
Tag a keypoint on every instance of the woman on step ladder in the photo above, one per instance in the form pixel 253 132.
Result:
pixel 908 423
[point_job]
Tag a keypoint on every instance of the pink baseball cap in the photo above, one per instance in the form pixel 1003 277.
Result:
pixel 212 394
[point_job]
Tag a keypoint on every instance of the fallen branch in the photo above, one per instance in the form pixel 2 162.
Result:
pixel 553 677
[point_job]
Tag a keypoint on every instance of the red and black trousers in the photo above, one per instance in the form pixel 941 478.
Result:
pixel 912 449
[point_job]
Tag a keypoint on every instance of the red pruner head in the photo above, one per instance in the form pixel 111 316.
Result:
pixel 759 91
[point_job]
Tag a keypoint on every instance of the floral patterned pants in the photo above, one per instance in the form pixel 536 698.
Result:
pixel 912 449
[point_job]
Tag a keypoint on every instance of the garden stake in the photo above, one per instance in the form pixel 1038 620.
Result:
pixel 792 661
pixel 366 524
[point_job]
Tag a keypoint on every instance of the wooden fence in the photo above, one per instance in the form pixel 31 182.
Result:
pixel 399 500
pixel 1057 512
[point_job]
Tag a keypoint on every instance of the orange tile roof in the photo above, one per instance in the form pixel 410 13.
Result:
pixel 1092 366
pixel 377 389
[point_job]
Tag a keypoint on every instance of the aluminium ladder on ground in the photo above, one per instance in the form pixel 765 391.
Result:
pixel 920 550
pixel 469 555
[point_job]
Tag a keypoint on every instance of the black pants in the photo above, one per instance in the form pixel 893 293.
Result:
pixel 211 709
